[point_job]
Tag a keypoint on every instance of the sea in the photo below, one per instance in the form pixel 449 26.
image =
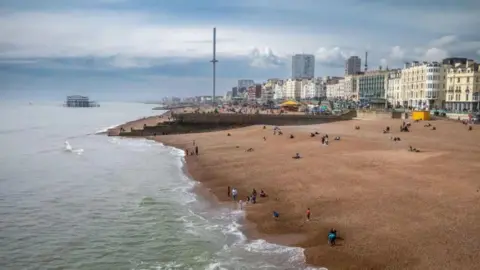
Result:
pixel 73 198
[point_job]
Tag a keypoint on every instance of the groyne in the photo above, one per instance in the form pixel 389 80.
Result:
pixel 203 122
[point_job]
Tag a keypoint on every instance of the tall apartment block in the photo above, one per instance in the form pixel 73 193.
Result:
pixel 353 65
pixel 303 66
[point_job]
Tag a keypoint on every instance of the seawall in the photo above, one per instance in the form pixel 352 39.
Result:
pixel 373 114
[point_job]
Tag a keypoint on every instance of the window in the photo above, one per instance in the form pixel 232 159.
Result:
pixel 458 80
pixel 466 97
pixel 468 79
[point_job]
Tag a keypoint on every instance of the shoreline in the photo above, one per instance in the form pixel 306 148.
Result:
pixel 364 185
pixel 247 228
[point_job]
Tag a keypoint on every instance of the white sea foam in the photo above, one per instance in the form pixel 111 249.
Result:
pixel 69 148
pixel 104 130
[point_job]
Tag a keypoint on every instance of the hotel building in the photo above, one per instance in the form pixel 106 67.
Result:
pixel 372 86
pixel 424 84
pixel 463 86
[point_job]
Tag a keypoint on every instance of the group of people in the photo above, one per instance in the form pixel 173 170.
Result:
pixel 252 198
pixel 193 152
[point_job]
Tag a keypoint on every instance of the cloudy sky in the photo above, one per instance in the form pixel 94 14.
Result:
pixel 146 49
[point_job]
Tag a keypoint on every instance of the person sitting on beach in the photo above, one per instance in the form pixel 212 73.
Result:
pixel 427 125
pixel 253 199
pixel 434 128
pixel 249 150
pixel 337 138
pixel 263 194
pixel 297 156
pixel 229 134
pixel 254 192
pixel 332 236
pixel 325 142
pixel 264 127
pixel 470 128
pixel 312 134
pixel 316 133
pixel 276 214
pixel 411 149
pixel 280 132
pixel 264 138
pixel 291 136
pixel 357 127
pixel 323 139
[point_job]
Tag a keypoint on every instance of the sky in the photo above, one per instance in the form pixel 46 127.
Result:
pixel 147 49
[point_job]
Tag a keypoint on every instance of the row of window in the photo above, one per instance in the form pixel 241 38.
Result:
pixel 423 78
pixel 467 80
pixel 458 97
pixel 460 70
pixel 422 94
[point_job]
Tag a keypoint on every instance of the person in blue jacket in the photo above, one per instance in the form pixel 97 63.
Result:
pixel 332 236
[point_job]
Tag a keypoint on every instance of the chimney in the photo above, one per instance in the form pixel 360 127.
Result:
pixel 407 65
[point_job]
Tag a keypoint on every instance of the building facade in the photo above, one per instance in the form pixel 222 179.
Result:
pixel 243 85
pixel 293 89
pixel 311 89
pixel 336 88
pixel 303 66
pixel 350 87
pixel 395 94
pixel 463 86
pixel 353 65
pixel 424 85
pixel 371 87
pixel 251 94
pixel 279 90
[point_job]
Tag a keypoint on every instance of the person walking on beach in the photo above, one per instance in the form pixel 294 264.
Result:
pixel 332 236
pixel 228 191
pixel 234 194
pixel 196 150
pixel 308 214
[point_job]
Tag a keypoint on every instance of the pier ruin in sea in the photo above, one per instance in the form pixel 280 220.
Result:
pixel 78 101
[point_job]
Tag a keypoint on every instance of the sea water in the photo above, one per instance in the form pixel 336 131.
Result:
pixel 73 199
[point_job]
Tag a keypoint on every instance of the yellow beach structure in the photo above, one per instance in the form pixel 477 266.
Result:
pixel 421 115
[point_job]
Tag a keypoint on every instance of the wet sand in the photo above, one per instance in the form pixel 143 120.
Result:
pixel 394 209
